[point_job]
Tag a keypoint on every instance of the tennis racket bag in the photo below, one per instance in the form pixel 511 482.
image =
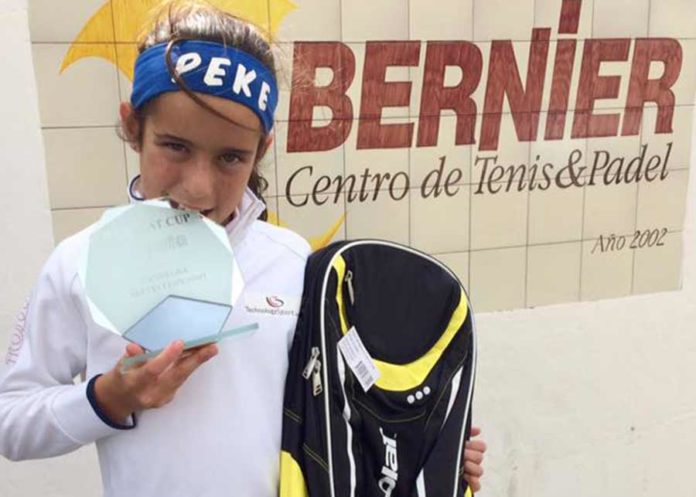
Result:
pixel 379 388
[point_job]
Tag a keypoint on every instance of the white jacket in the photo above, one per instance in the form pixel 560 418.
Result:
pixel 220 436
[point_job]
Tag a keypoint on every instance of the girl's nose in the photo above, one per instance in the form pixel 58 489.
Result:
pixel 198 185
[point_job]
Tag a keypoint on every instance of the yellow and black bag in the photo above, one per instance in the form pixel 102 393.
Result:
pixel 398 322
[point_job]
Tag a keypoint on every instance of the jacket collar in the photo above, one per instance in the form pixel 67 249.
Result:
pixel 248 211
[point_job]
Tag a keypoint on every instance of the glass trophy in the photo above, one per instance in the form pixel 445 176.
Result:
pixel 154 274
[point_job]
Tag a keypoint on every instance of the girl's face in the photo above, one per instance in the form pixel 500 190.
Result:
pixel 199 160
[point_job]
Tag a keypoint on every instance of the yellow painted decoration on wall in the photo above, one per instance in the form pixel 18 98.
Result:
pixel 316 242
pixel 121 21
pixel 323 240
pixel 275 220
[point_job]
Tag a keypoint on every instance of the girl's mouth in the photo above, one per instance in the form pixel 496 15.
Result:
pixel 177 205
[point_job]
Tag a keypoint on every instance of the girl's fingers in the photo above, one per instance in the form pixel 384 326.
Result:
pixel 477 445
pixel 133 349
pixel 474 483
pixel 474 456
pixel 186 365
pixel 472 469
pixel 159 364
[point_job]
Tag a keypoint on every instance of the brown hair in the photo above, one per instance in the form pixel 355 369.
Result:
pixel 179 20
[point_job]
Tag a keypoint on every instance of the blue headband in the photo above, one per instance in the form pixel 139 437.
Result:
pixel 210 68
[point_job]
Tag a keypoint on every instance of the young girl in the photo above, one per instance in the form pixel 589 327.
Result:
pixel 200 118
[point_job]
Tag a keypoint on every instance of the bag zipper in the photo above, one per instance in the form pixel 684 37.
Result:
pixel 309 368
pixel 348 278
pixel 313 369
pixel 317 386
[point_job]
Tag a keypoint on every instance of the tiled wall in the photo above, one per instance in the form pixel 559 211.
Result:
pixel 511 249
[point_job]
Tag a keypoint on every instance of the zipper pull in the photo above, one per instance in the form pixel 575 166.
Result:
pixel 349 281
pixel 307 371
pixel 317 387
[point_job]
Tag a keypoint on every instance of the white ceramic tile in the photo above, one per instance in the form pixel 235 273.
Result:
pixel 521 51
pixel 555 215
pixel 440 224
pixel 384 217
pixel 364 20
pixel 499 220
pixel 267 168
pixel 610 210
pixel 662 204
pixel 312 20
pixel 284 56
pixel 50 24
pixel 446 162
pixel 394 75
pixel 659 268
pixel 125 87
pixel 130 19
pixel 548 15
pixel 621 18
pixel 302 172
pixel 510 152
pixel 131 16
pixel 453 77
pixel 70 221
pixel 553 274
pixel 605 274
pixel 459 264
pixel 314 222
pixel 618 69
pixel 503 20
pixel 498 279
pixel 126 55
pixel 616 146
pixel 85 94
pixel 522 58
pixel 283 109
pixel 374 161
pixel 680 137
pixel 426 158
pixel 673 18
pixel 86 167
pixel 441 20
pixel 558 153
pixel 560 165
pixel 607 159
pixel 272 209
pixel 453 74
pixel 297 74
pixel 571 86
pixel 683 87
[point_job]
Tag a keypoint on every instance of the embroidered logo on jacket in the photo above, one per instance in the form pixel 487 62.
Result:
pixel 271 304
pixel 275 302
pixel 17 337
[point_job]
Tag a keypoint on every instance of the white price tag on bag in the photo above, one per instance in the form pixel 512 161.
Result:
pixel 358 359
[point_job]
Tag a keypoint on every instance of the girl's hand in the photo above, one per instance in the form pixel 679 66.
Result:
pixel 473 460
pixel 151 384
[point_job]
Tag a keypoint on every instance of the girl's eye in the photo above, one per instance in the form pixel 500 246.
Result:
pixel 176 147
pixel 230 158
